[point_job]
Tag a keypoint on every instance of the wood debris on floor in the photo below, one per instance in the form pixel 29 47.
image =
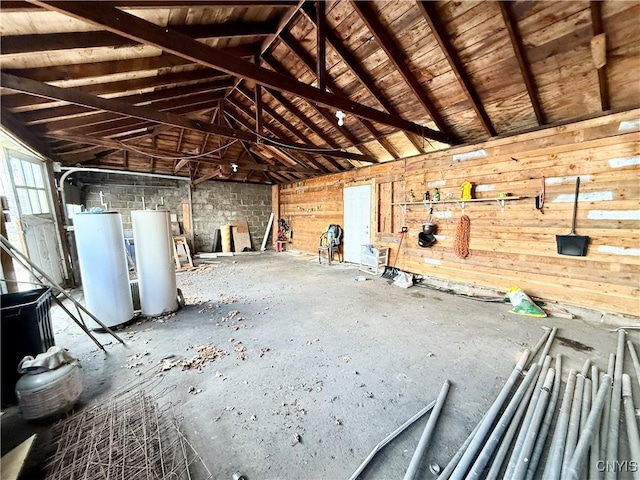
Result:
pixel 205 354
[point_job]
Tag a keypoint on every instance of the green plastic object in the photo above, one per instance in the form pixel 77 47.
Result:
pixel 523 305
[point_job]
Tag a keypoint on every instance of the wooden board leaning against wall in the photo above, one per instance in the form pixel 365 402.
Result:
pixel 516 246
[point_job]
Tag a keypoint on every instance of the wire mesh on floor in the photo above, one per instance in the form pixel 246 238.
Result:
pixel 128 436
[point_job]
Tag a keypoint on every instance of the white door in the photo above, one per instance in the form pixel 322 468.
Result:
pixel 36 223
pixel 357 221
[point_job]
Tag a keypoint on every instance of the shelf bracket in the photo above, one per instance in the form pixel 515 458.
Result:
pixel 500 202
pixel 461 205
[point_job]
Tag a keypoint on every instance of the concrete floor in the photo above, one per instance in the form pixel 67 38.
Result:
pixel 347 362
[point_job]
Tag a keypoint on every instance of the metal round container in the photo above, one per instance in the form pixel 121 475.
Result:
pixel 154 261
pixel 49 393
pixel 103 267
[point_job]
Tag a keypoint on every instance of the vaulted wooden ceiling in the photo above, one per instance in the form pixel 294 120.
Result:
pixel 250 90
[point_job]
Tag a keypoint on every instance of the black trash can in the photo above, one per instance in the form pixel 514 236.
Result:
pixel 25 329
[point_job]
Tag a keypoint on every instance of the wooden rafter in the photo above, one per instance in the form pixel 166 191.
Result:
pixel 20 101
pixel 20 44
pixel 321 45
pixel 122 23
pixel 58 73
pixel 247 112
pixel 296 112
pixel 291 128
pixel 598 28
pixel 323 113
pixel 307 61
pixel 257 100
pixel 22 5
pixel 155 151
pixel 367 81
pixel 525 69
pixel 430 14
pixel 400 62
pixel 66 111
pixel 257 159
pixel 113 113
pixel 144 113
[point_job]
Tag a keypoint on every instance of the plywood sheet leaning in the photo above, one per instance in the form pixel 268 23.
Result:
pixel 241 238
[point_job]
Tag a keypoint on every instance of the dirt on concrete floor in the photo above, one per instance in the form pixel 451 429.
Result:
pixel 319 367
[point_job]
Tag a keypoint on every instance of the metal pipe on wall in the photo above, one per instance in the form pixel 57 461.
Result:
pixel 427 433
pixel 477 442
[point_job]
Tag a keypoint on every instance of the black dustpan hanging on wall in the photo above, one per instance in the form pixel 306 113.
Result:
pixel 572 244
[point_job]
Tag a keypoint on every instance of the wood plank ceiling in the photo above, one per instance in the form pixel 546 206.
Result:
pixel 249 90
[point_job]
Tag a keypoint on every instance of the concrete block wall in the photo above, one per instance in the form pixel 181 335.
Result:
pixel 220 203
pixel 214 203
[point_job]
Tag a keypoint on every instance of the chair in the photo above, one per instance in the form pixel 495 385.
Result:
pixel 330 242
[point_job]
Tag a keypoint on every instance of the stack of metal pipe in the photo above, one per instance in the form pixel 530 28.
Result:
pixel 515 440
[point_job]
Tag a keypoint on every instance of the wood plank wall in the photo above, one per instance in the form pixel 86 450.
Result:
pixel 516 246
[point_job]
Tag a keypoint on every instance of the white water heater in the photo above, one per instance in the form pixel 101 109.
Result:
pixel 155 261
pixel 103 267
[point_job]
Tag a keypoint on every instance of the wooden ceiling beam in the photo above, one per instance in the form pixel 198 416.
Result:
pixel 268 58
pixel 308 62
pixel 29 44
pixel 321 45
pixel 115 106
pixel 401 63
pixel 308 148
pixel 93 117
pixel 525 69
pixel 144 113
pixel 598 28
pixel 166 94
pixel 155 4
pixel 294 130
pixel 17 102
pixel 430 13
pixel 296 112
pixel 235 117
pixel 144 150
pixel 61 73
pixel 247 112
pixel 138 29
pixel 256 158
pixel 365 79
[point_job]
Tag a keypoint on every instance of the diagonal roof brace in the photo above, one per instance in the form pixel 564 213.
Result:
pixel 135 28
pixel 145 113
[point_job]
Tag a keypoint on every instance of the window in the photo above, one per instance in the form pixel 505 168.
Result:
pixel 28 178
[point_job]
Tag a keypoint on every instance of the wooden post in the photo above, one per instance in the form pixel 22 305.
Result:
pixel 275 208
pixel 8 272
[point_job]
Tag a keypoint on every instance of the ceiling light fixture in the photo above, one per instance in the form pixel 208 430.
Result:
pixel 340 115
pixel 234 167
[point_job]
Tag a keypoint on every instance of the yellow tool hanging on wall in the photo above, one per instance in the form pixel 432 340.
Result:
pixel 466 191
